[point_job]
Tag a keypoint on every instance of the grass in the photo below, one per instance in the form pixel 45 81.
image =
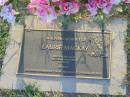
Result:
pixel 33 91
pixel 127 47
pixel 4 37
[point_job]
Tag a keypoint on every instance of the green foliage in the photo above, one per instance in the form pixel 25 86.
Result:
pixel 32 91
pixel 15 3
pixel 4 27
pixel 8 93
pixel 4 37
pixel 127 45
pixel 30 88
pixel 1 72
pixel 3 41
pixel 126 9
pixel 21 9
pixel 54 94
pixel 80 15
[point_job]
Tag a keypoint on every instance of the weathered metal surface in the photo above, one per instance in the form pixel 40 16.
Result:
pixel 67 53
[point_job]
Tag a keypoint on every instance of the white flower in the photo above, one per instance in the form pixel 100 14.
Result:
pixel 116 2
pixel 2 2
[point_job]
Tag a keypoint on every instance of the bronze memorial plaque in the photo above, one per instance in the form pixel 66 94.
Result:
pixel 67 53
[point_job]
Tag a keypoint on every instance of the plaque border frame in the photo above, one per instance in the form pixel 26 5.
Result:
pixel 61 76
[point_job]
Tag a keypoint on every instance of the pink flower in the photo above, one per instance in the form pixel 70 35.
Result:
pixel 92 6
pixel 127 1
pixel 104 5
pixel 48 14
pixel 34 5
pixel 107 8
pixel 48 10
pixel 43 9
pixel 69 7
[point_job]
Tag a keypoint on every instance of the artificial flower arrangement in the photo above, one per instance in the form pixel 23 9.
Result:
pixel 49 10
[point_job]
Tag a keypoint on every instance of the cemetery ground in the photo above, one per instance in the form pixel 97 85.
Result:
pixel 10 78
pixel 13 84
